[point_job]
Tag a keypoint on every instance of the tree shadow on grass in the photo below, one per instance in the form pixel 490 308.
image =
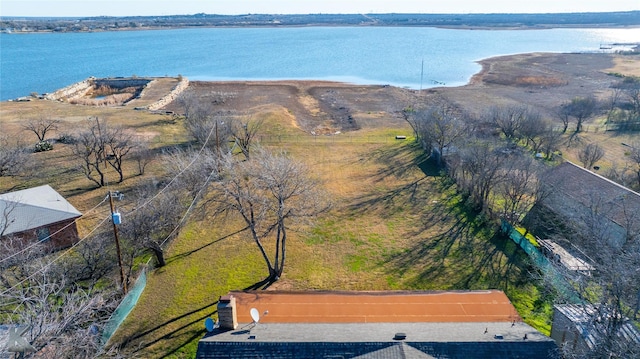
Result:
pixel 137 336
pixel 263 284
pixel 188 253
pixel 429 252
pixel 467 258
pixel 496 264
pixel 144 344
pixel 398 162
pixel 382 203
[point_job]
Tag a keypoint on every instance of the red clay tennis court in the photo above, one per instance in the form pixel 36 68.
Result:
pixel 375 307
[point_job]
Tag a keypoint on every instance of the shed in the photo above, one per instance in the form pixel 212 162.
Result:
pixel 580 328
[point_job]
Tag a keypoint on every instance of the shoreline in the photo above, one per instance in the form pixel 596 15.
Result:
pixel 474 80
pixel 470 21
pixel 447 27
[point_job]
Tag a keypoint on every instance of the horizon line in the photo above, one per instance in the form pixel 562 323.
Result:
pixel 321 13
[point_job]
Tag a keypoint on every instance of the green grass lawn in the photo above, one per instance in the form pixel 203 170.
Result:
pixel 395 224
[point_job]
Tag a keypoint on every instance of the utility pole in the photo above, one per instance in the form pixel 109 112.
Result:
pixel 113 217
pixel 115 234
pixel 217 147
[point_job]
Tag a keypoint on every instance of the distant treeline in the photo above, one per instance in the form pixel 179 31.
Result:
pixel 103 23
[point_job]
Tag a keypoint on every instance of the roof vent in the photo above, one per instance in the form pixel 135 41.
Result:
pixel 498 336
pixel 400 336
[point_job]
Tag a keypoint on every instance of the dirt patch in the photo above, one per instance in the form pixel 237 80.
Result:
pixel 318 107
pixel 541 80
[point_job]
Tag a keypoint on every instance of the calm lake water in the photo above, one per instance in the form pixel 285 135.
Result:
pixel 364 55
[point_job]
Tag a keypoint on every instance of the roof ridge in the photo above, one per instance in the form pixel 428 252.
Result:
pixel 602 178
pixel 56 209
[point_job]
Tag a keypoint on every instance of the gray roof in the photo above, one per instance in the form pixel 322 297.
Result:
pixel 376 341
pixel 585 319
pixel 33 208
pixel 588 189
pixel 399 350
pixel 379 332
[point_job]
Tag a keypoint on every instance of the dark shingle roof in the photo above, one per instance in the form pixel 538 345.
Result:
pixel 589 189
pixel 315 332
pixel 396 351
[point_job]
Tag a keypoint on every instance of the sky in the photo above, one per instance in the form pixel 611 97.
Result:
pixel 86 8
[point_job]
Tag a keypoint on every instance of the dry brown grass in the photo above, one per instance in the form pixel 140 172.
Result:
pixel 392 226
pixel 626 65
pixel 395 224
pixel 524 81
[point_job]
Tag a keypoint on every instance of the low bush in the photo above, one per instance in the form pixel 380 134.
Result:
pixel 43 146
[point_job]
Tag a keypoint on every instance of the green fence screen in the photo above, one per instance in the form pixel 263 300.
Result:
pixel 125 307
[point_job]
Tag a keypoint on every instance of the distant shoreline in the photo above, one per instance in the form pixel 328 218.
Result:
pixel 470 28
pixel 628 19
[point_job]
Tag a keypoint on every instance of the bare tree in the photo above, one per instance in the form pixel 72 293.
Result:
pixel 65 318
pixel 143 155
pixel 155 220
pixel 206 125
pixel 409 115
pixel 508 120
pixel 41 126
pixel 244 134
pixel 630 87
pixel 188 101
pixel 590 154
pixel 624 175
pixel 563 113
pixel 550 141
pixel 192 170
pixel 519 188
pixel 440 127
pixel 118 142
pixel 13 157
pixel 479 169
pixel 93 260
pixel 635 158
pixel 97 146
pixel 89 148
pixel 7 209
pixel 612 103
pixel 533 129
pixel 581 108
pixel 268 192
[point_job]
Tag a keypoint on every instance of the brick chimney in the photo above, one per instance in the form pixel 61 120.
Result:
pixel 227 313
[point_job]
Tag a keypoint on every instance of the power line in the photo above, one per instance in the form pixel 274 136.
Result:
pixel 188 209
pixel 57 258
pixel 204 145
pixel 133 210
pixel 52 234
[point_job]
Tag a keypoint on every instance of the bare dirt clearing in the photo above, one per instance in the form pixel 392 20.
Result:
pixel 541 80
